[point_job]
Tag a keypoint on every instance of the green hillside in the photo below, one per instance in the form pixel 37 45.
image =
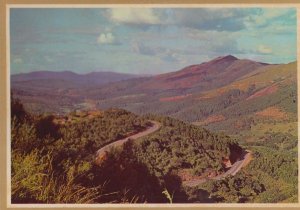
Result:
pixel 200 132
pixel 58 156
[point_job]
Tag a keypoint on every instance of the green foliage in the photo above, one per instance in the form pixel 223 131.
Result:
pixel 23 136
pixel 87 136
pixel 53 163
pixel 277 164
pixel 277 141
pixel 17 110
pixel 33 181
pixel 46 128
pixel 240 188
pixel 179 145
pixel 127 177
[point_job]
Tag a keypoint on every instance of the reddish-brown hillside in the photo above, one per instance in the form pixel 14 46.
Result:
pixel 217 72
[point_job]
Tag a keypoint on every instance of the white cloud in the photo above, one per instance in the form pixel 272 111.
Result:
pixel 106 38
pixel 264 49
pixel 134 15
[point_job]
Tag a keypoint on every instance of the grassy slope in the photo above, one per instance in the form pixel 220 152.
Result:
pixel 230 102
pixel 261 77
pixel 284 98
pixel 275 136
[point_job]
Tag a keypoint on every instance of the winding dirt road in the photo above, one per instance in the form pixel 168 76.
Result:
pixel 154 127
pixel 245 157
pixel 236 167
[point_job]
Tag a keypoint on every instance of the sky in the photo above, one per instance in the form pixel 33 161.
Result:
pixel 146 40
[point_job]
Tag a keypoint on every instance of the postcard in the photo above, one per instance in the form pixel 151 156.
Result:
pixel 151 106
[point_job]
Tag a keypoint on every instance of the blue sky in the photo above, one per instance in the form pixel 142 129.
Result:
pixel 148 40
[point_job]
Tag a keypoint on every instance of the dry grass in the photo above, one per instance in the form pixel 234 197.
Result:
pixel 265 91
pixel 211 119
pixel 262 77
pixel 272 112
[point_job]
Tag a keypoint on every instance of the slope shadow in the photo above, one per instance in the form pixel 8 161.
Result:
pixel 128 180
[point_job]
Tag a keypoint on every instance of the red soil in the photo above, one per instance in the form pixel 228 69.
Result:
pixel 273 112
pixel 266 91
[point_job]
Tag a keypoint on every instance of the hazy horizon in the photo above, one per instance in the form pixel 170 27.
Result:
pixel 107 71
pixel 146 41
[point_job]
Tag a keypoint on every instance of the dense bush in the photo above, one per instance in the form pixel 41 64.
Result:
pixel 54 163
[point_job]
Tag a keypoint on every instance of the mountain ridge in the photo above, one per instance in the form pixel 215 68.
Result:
pixel 203 81
pixel 46 74
pixel 71 79
pixel 220 70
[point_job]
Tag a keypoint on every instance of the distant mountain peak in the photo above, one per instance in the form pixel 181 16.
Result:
pixel 211 74
pixel 225 58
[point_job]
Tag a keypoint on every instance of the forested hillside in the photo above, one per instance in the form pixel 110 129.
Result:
pixel 53 161
pixel 134 94
pixel 56 133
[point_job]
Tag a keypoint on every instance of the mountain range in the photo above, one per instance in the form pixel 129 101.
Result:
pixel 222 109
pixel 217 72
pixel 92 78
pixel 214 93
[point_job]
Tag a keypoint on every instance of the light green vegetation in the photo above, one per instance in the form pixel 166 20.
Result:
pixel 260 129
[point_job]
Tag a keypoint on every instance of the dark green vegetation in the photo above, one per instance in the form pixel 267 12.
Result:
pixel 277 169
pixel 255 104
pixel 178 145
pixel 54 163
pixel 238 189
pixel 272 176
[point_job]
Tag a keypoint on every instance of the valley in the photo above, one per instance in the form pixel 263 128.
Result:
pixel 189 132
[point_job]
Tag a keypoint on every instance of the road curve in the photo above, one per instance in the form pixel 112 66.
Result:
pixel 154 127
pixel 236 167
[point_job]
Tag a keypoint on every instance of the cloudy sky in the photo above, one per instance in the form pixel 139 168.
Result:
pixel 148 40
